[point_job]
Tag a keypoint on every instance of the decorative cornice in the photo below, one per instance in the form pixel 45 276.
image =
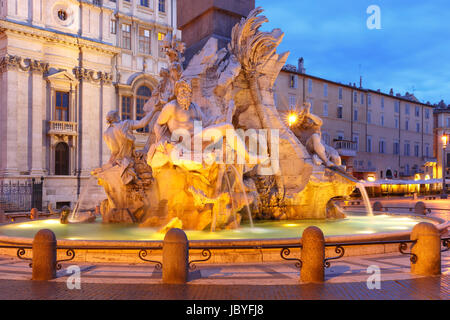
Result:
pixel 9 62
pixel 92 75
pixel 57 37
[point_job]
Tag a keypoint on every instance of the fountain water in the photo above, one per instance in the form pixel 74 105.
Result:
pixel 75 215
pixel 365 197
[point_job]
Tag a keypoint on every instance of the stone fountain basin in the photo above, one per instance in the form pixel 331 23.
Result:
pixel 112 252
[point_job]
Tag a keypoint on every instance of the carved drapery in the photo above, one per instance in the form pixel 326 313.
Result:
pixel 93 76
pixel 9 62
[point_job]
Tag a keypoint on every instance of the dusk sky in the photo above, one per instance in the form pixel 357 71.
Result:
pixel 411 51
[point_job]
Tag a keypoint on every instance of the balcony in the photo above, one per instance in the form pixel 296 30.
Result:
pixel 63 128
pixel 346 148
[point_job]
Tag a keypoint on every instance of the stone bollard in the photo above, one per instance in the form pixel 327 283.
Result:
pixel 420 208
pixel 175 257
pixel 427 249
pixel 44 255
pixel 313 256
pixel 377 206
pixel 34 214
pixel 2 216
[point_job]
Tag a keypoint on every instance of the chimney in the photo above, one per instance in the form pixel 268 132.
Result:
pixel 360 81
pixel 391 92
pixel 301 67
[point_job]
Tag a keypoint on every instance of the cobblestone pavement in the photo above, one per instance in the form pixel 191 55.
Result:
pixel 345 279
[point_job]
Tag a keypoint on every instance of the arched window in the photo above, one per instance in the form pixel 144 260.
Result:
pixel 142 95
pixel 62 159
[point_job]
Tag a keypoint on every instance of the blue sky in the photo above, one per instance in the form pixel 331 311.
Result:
pixel 411 51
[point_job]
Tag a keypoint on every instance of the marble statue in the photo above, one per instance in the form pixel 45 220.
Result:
pixel 221 102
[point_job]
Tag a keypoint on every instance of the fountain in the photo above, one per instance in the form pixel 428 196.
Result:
pixel 220 162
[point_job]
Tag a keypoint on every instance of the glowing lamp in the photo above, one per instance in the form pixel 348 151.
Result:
pixel 292 119
pixel 371 179
pixel 444 140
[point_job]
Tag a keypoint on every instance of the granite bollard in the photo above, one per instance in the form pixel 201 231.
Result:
pixel 175 257
pixel 44 255
pixel 313 256
pixel 427 249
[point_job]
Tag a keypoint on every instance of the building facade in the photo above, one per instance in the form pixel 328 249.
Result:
pixel 378 135
pixel 63 67
pixel 441 150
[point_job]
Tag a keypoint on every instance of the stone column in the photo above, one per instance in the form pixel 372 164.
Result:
pixel 44 255
pixel 37 108
pixel 312 256
pixel 175 257
pixel 23 127
pixel 427 249
pixel 9 122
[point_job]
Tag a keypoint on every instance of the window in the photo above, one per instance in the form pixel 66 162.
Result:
pixel 126 108
pixel 369 99
pixel 362 98
pixel 417 112
pixel 162 5
pixel 396 106
pixel 142 96
pixel 293 79
pixel 326 138
pixel 382 146
pixel 427 113
pixel 448 122
pixel 310 84
pixel 382 120
pixel 416 150
pixel 340 93
pixel 339 112
pixel 369 144
pixel 161 36
pixel 126 36
pixel 417 127
pixel 369 117
pixel 61 106
pixel 427 128
pixel 382 102
pixel 356 141
pixel 407 150
pixel 144 3
pixel 292 101
pixel 406 124
pixel 396 148
pixel 325 90
pixel 113 26
pixel 355 114
pixel 325 109
pixel 396 122
pixel 62 159
pixel 427 150
pixel 144 41
pixel 406 108
pixel 355 97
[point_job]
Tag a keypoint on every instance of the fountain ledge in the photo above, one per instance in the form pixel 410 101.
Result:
pixel 111 255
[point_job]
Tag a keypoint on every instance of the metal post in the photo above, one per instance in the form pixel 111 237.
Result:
pixel 444 146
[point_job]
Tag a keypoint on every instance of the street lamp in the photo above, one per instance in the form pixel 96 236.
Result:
pixel 444 146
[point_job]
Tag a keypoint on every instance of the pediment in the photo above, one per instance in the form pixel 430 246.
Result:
pixel 63 75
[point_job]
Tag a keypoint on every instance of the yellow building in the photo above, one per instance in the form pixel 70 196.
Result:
pixel 378 135
pixel 442 151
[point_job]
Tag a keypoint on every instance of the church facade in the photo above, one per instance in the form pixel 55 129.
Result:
pixel 63 66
